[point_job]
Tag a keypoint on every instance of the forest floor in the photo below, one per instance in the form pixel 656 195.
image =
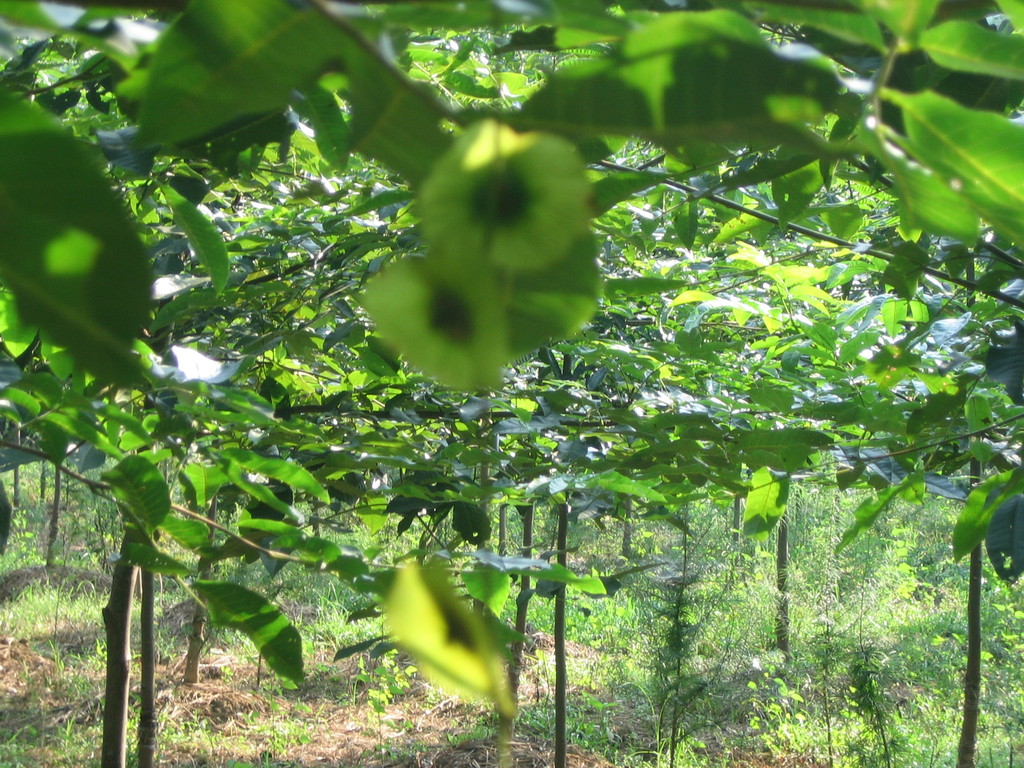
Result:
pixel 239 716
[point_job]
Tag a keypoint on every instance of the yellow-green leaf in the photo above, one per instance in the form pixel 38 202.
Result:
pixel 449 641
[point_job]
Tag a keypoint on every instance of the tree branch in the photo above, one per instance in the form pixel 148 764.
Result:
pixel 725 202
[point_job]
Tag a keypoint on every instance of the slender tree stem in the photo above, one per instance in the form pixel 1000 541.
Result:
pixel 147 659
pixel 782 583
pixel 972 674
pixel 117 616
pixel 561 680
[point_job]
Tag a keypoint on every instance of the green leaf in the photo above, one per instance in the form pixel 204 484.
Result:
pixel 795 191
pixel 968 47
pixel 330 131
pixel 393 121
pixel 619 483
pixel 622 185
pixel 287 472
pixel 1005 539
pixel 450 326
pixel 787 449
pixel 845 221
pixel 973 521
pixel 631 287
pixel 28 14
pixel 976 153
pixel 471 523
pixel 927 201
pixel 153 560
pixel 844 24
pixel 1005 364
pixel 6 513
pixel 491 587
pixel 449 641
pixel 766 502
pixel 904 17
pixel 555 302
pixel 188 533
pixel 221 59
pixel 270 631
pixel 204 236
pixel 697 75
pixel 139 485
pixel 867 513
pixel 1014 9
pixel 66 247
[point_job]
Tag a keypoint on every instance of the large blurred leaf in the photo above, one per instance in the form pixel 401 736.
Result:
pixel 928 202
pixel 450 642
pixel 140 486
pixel 693 75
pixel 904 17
pixel 554 302
pixel 66 247
pixel 842 23
pixel 392 120
pixel 224 58
pixel 968 47
pixel 766 502
pixel 977 153
pixel 270 631
pixel 1005 539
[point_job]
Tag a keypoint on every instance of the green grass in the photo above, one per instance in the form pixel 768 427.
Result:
pixel 678 661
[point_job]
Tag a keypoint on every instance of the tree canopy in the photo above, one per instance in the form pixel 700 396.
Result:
pixel 410 262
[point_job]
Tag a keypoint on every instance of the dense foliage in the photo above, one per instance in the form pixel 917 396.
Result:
pixel 419 264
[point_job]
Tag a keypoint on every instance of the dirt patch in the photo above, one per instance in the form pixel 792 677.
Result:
pixel 20 667
pixel 745 759
pixel 72 580
pixel 482 753
pixel 216 703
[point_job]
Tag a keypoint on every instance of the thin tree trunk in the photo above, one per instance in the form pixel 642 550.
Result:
pixel 16 492
pixel 54 527
pixel 627 528
pixel 502 529
pixel 523 600
pixel 972 675
pixel 561 683
pixel 782 582
pixel 147 706
pixel 196 641
pixel 737 519
pixel 197 637
pixel 42 482
pixel 117 622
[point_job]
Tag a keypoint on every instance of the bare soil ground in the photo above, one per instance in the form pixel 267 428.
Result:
pixel 238 714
